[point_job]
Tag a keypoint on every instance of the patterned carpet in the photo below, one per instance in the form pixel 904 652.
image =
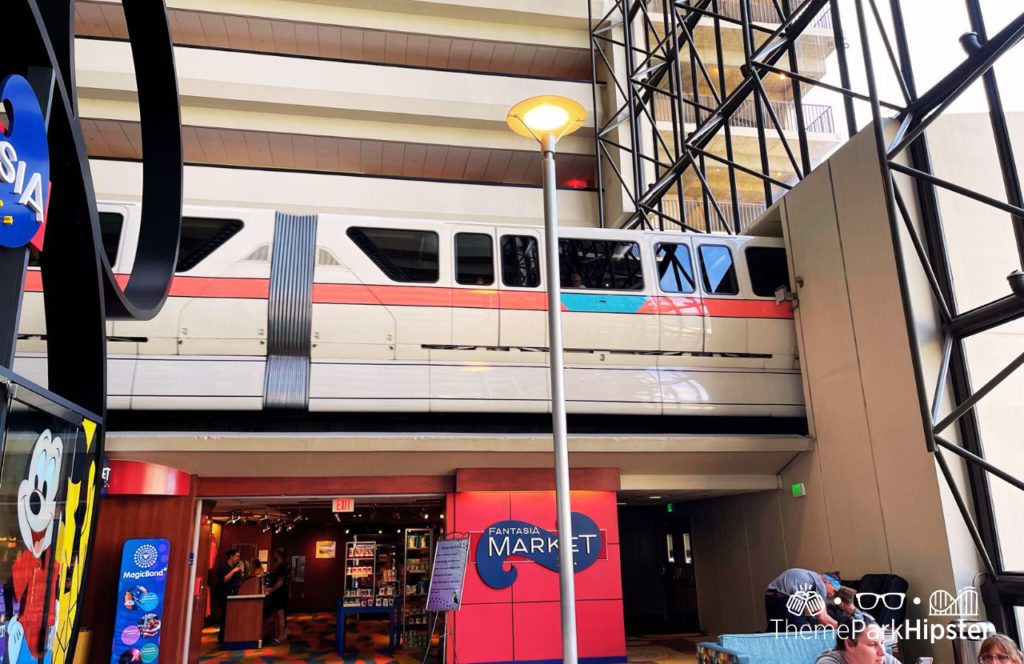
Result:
pixel 311 639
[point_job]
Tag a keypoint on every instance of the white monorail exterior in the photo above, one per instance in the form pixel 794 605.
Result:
pixel 372 314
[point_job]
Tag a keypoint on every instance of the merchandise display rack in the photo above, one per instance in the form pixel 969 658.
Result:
pixel 419 545
pixel 387 577
pixel 360 574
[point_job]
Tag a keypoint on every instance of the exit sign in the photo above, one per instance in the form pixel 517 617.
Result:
pixel 344 505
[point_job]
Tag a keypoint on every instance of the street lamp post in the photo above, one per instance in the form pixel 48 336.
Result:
pixel 547 119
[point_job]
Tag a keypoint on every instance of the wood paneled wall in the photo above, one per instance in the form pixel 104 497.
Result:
pixel 128 517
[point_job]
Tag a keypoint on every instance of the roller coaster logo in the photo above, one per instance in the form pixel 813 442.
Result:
pixel 24 164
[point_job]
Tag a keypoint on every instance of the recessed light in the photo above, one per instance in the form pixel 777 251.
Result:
pixel 655 497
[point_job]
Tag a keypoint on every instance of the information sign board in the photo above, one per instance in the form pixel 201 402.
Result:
pixel 449 575
pixel 140 601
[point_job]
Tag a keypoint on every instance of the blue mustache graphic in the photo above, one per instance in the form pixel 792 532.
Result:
pixel 519 538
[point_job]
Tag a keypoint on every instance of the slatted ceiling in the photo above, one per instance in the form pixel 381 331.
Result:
pixel 326 153
pixel 261 36
pixel 374 46
pixel 235 148
pixel 117 139
pixel 252 33
pixel 392 155
pixel 237 31
pixel 480 60
pixel 370 156
pixel 284 37
pixel 215 29
pixel 348 153
pixel 455 164
pixel 281 154
pixel 476 164
pixel 415 154
pixel 433 162
pixel 460 54
pixel 306 40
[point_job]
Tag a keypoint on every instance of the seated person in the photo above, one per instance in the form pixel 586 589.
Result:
pixel 843 604
pixel 800 597
pixel 859 640
pixel 999 649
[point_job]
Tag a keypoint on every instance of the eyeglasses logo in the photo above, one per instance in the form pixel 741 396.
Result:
pixel 871 601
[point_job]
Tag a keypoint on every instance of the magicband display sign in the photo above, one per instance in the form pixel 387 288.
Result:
pixel 24 164
pixel 140 601
pixel 508 539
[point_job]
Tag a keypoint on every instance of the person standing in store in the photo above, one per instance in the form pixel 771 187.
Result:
pixel 799 597
pixel 229 579
pixel 277 594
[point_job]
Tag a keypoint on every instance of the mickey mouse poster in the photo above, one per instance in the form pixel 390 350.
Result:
pixel 34 583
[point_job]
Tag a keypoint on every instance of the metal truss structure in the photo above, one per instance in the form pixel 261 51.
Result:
pixel 668 114
pixel 642 55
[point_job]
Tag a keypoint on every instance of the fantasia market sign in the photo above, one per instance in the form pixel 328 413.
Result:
pixel 24 164
pixel 506 539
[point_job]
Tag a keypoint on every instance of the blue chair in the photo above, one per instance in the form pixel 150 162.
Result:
pixel 767 648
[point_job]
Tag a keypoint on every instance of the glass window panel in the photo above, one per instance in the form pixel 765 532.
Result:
pixel 999 422
pixel 474 259
pixel 111 224
pixel 768 270
pixel 520 263
pixel 402 255
pixel 600 264
pixel 675 268
pixel 200 237
pixel 41 454
pixel 719 272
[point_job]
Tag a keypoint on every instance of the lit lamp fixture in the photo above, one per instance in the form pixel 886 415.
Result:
pixel 548 119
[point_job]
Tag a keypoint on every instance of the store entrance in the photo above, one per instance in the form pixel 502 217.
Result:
pixel 659 591
pixel 309 577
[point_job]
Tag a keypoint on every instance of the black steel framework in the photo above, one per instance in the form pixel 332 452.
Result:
pixel 651 70
pixel 81 292
pixel 672 104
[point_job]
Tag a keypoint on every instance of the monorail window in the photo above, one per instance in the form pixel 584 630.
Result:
pixel 474 259
pixel 401 254
pixel 200 237
pixel 675 268
pixel 600 264
pixel 719 272
pixel 520 261
pixel 768 269
pixel 111 224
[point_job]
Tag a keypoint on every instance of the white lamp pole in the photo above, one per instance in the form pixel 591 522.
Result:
pixel 547 119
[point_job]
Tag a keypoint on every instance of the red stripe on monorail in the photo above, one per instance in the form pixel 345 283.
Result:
pixel 186 286
pixel 435 296
pixel 237 287
pixel 722 308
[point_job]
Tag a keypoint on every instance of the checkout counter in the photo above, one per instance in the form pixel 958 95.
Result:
pixel 243 619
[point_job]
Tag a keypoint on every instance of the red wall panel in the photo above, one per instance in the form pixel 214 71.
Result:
pixel 522 623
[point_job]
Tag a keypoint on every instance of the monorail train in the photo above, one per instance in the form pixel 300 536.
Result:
pixel 347 313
